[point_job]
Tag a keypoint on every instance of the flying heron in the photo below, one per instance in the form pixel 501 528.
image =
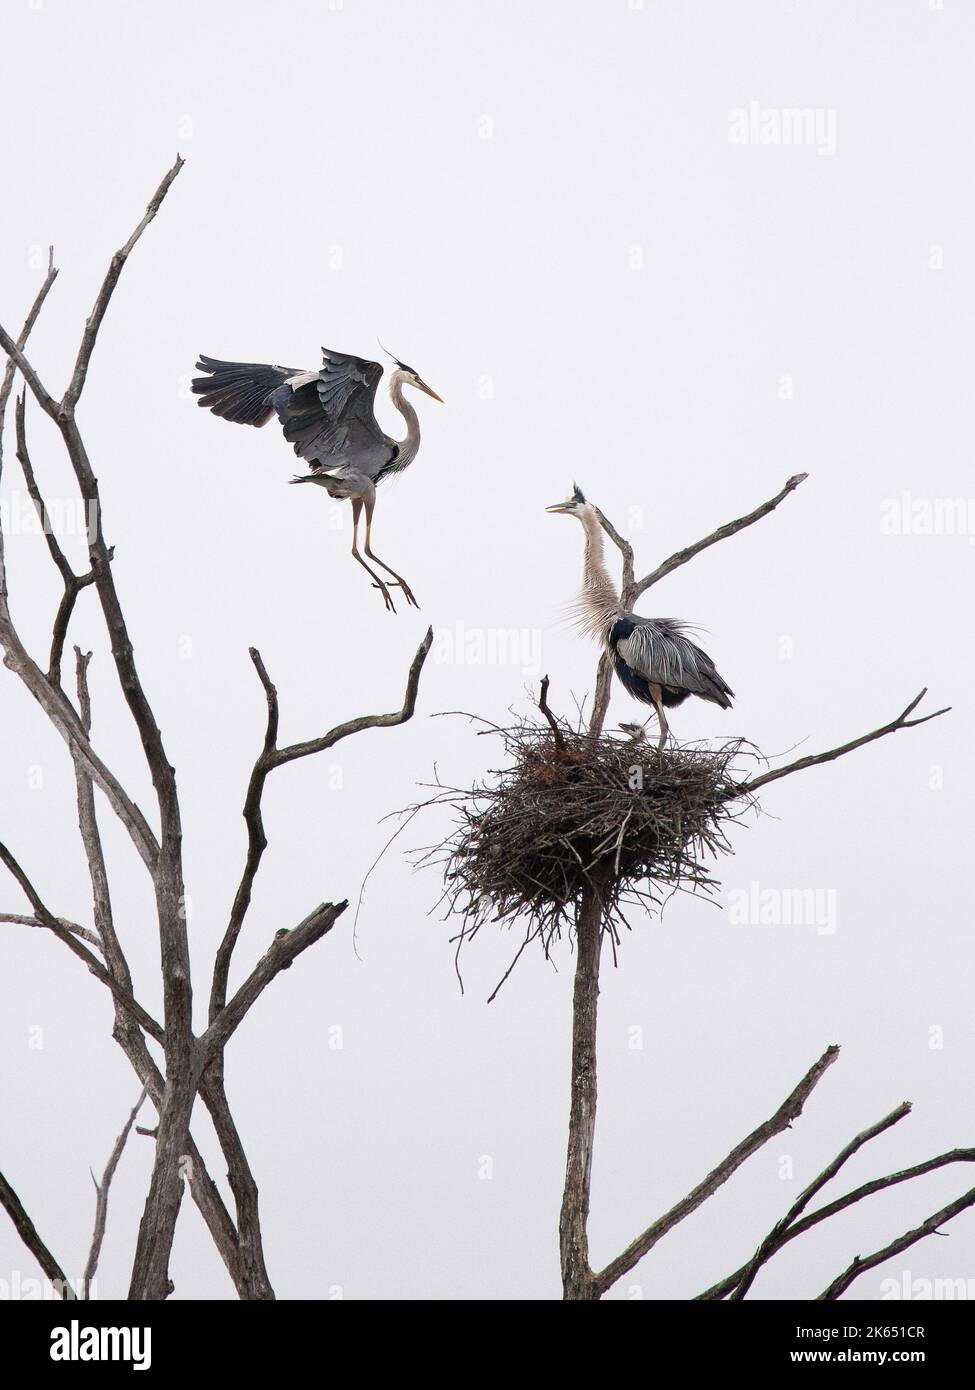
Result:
pixel 652 657
pixel 329 416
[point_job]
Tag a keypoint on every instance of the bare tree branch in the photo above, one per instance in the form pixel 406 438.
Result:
pixel 28 1233
pixel 814 759
pixel 600 704
pixel 285 947
pixel 101 1197
pixel 6 386
pixel 53 924
pixel 862 1263
pixel 773 1240
pixel 108 286
pixel 64 718
pixel 553 723
pixel 270 758
pixel 40 506
pixel 789 1110
pixel 730 528
pixel 15 352
pixel 256 841
pixel 23 920
pixel 101 897
pixel 73 583
pixel 281 756
pixel 727 1285
pixel 250 1272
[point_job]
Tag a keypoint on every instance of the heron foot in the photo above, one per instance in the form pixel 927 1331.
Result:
pixel 407 592
pixel 387 596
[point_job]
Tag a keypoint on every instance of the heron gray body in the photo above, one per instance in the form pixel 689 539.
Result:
pixel 653 657
pixel 329 418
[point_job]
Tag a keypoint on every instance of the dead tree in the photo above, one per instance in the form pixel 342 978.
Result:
pixel 565 840
pixel 580 1281
pixel 193 1062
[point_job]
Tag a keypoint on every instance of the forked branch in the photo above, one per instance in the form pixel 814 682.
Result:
pixel 271 757
pixel 69 937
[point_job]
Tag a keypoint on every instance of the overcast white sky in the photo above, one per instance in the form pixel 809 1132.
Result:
pixel 539 206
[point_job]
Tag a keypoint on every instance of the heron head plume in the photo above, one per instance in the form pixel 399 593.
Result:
pixel 409 376
pixel 573 504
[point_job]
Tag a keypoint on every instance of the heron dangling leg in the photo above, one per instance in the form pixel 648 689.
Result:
pixel 407 591
pixel 383 588
pixel 658 700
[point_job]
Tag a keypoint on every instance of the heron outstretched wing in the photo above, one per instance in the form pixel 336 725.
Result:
pixel 327 415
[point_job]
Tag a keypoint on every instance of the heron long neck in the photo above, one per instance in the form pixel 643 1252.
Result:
pixel 599 602
pixel 409 445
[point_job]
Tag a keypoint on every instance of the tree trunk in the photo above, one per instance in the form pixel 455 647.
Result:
pixel 150 1272
pixel 577 1276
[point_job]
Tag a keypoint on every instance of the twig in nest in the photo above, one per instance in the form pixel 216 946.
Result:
pixel 552 721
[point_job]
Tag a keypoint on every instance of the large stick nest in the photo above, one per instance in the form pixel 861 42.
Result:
pixel 569 812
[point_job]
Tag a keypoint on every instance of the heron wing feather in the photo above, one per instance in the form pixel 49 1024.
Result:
pixel 329 417
pixel 658 650
pixel 239 391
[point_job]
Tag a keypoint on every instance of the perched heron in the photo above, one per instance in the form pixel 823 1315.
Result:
pixel 652 657
pixel 329 416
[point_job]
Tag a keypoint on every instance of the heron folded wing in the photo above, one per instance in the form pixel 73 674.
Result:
pixel 657 649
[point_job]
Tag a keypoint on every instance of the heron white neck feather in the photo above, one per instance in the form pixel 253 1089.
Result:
pixel 407 447
pixel 599 603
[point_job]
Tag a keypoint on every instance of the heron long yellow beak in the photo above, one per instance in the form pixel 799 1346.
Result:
pixel 429 391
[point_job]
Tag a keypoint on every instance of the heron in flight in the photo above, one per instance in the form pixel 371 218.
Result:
pixel 653 658
pixel 329 416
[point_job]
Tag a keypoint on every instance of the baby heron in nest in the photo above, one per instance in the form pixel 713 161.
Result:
pixel 653 658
